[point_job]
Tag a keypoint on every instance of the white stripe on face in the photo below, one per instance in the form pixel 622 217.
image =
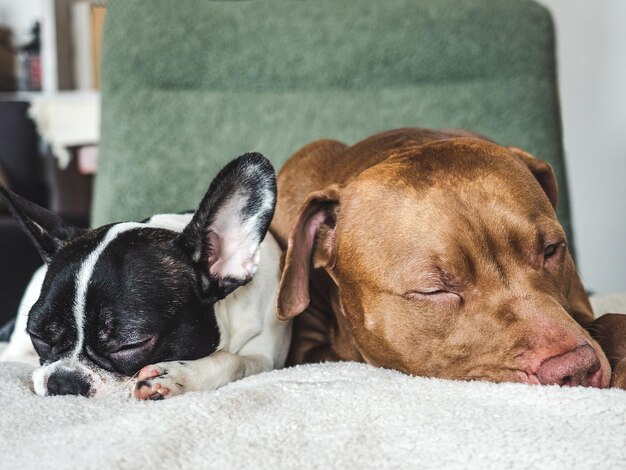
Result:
pixel 84 276
pixel 173 222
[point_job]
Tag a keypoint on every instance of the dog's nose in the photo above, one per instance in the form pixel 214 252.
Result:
pixel 67 383
pixel 578 367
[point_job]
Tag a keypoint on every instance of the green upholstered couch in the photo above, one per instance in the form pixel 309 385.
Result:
pixel 189 85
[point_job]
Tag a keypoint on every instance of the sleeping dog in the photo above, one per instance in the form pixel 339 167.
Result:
pixel 186 301
pixel 437 253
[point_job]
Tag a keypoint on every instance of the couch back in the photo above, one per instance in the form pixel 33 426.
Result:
pixel 187 86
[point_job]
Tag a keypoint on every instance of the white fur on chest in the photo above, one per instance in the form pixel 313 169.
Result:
pixel 247 317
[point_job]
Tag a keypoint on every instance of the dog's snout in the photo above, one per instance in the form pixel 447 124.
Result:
pixel 578 367
pixel 67 383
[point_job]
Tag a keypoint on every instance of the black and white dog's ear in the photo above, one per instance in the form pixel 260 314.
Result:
pixel 224 234
pixel 47 230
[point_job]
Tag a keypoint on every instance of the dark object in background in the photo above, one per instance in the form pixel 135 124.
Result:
pixel 7 61
pixel 67 192
pixel 70 189
pixel 30 62
pixel 20 160
pixel 19 152
pixel 7 330
pixel 19 261
pixel 3 182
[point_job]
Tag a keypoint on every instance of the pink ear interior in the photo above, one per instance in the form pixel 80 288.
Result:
pixel 233 242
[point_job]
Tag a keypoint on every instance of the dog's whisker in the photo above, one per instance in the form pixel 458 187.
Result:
pixel 130 378
pixel 122 386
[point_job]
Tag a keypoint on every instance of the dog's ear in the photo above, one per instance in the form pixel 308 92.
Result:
pixel 542 172
pixel 311 244
pixel 47 230
pixel 224 234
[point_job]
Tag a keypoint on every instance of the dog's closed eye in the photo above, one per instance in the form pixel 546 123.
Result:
pixel 433 295
pixel 553 249
pixel 553 255
pixel 39 342
pixel 127 350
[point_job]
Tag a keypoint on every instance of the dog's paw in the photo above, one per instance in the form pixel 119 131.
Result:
pixel 618 376
pixel 159 381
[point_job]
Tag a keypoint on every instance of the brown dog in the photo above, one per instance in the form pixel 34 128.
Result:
pixel 436 253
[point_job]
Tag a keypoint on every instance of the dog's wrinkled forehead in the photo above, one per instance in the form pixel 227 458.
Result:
pixel 137 268
pixel 454 165
pixel 443 205
pixel 446 179
pixel 56 305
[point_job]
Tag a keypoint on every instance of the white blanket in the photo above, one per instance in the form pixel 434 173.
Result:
pixel 342 415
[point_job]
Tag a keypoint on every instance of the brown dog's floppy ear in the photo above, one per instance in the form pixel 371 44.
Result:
pixel 542 172
pixel 315 222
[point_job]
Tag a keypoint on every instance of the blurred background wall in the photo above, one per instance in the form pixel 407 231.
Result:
pixel 592 76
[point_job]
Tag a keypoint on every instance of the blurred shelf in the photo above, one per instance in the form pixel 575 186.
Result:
pixel 66 119
pixel 30 96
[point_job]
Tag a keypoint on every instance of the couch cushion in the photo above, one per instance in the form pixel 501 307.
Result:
pixel 187 86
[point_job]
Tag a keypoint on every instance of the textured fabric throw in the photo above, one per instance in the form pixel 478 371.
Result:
pixel 342 415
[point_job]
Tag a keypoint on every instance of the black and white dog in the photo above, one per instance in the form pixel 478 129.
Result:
pixel 186 301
